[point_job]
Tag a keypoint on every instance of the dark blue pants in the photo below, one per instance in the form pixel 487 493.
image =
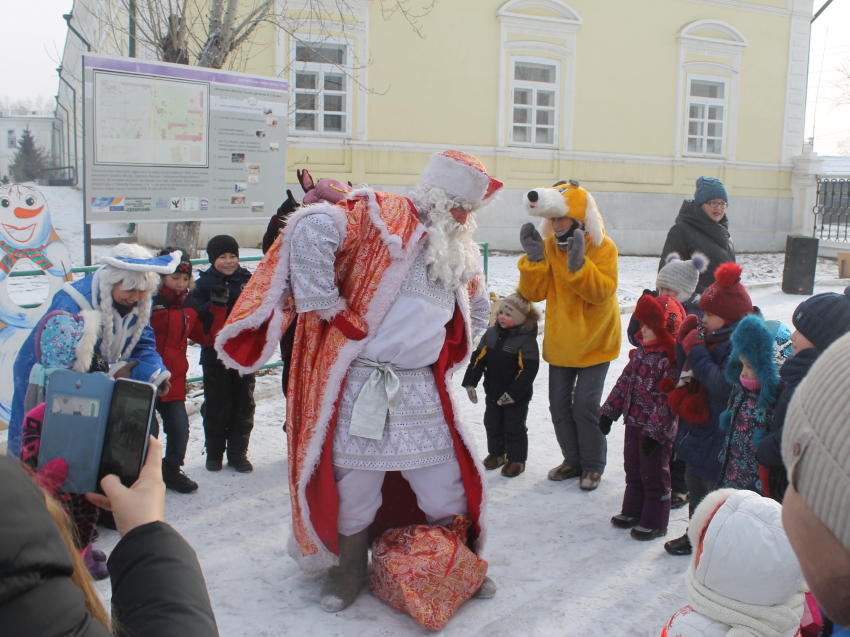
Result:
pixel 175 425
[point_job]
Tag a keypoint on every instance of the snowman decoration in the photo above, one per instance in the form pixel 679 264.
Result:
pixel 26 234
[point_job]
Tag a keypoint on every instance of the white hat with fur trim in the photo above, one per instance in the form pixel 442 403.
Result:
pixel 128 256
pixel 565 200
pixel 461 175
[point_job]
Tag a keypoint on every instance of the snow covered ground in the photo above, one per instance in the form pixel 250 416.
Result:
pixel 561 568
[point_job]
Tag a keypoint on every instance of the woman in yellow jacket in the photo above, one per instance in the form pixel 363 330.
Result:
pixel 574 269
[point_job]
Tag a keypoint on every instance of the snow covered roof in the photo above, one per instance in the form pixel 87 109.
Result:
pixel 834 165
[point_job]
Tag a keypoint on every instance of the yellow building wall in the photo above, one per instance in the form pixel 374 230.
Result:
pixel 443 90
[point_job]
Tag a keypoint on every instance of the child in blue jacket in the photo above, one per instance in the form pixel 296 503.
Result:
pixel 702 351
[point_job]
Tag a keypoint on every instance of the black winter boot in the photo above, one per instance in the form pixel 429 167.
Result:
pixel 344 581
pixel 679 546
pixel 175 479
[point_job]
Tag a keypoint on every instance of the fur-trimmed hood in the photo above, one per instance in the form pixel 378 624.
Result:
pixel 737 537
pixel 754 340
pixel 532 320
pixel 565 200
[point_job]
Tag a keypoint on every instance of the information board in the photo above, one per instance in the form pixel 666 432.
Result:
pixel 170 142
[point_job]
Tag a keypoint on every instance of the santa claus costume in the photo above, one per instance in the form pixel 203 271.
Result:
pixel 384 294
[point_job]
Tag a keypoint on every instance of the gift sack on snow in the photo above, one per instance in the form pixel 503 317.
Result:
pixel 426 570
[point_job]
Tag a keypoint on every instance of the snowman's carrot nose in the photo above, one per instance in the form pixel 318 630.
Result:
pixel 26 213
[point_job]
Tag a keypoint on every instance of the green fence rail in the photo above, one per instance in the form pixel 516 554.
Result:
pixel 91 268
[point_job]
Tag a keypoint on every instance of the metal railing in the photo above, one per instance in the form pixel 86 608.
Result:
pixel 832 210
pixel 485 247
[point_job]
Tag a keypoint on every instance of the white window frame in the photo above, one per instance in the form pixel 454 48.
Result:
pixel 707 102
pixel 12 139
pixel 554 88
pixel 726 66
pixel 321 70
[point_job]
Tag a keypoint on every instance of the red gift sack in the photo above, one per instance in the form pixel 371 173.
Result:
pixel 426 570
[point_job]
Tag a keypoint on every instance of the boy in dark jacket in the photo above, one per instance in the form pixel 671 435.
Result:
pixel 176 317
pixel 508 358
pixel 640 397
pixel 228 397
pixel 819 322
pixel 702 352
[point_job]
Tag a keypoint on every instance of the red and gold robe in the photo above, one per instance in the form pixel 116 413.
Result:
pixel 381 235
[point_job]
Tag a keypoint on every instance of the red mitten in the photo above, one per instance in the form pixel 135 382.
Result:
pixel 690 341
pixel 351 324
pixel 688 325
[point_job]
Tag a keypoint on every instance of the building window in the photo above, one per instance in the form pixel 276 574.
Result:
pixel 534 91
pixel 322 100
pixel 707 114
pixel 12 139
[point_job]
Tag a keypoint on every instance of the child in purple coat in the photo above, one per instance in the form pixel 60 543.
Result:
pixel 640 396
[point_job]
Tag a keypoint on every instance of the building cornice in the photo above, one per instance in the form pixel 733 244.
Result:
pixel 304 143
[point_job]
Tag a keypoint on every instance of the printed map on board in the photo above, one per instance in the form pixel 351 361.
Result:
pixel 146 120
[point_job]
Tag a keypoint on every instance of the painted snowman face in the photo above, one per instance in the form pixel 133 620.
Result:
pixel 24 219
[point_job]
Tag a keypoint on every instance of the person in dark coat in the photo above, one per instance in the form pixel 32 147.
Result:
pixel 702 226
pixel 703 349
pixel 508 358
pixel 157 584
pixel 278 221
pixel 176 317
pixel 819 322
pixel 228 396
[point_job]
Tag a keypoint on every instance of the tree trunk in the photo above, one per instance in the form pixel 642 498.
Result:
pixel 183 235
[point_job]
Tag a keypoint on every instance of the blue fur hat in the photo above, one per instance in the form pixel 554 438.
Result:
pixel 757 342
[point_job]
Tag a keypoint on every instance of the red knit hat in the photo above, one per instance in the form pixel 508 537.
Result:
pixel 727 297
pixel 663 315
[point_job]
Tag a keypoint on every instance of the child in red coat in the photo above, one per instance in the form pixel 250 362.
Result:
pixel 176 318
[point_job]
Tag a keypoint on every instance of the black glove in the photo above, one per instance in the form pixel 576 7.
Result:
pixel 648 446
pixel 219 295
pixel 531 242
pixel 605 424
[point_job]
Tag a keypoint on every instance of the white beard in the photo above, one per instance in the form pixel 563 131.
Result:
pixel 450 253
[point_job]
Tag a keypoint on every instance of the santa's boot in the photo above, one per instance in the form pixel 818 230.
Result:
pixel 344 581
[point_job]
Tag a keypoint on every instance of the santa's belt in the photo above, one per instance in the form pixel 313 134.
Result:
pixel 378 397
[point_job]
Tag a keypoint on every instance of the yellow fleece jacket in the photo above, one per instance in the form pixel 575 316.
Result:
pixel 582 311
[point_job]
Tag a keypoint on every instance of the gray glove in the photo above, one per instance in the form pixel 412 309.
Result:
pixel 473 395
pixel 531 242
pixel 505 400
pixel 575 251
pixel 219 295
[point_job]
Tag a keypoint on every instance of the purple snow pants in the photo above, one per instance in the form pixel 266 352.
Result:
pixel 647 481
